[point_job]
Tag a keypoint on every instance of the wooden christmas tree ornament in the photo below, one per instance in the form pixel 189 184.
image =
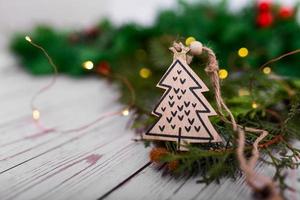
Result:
pixel 183 112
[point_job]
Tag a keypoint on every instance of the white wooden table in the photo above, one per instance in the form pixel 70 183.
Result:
pixel 101 162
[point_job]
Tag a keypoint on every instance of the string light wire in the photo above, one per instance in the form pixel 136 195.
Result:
pixel 36 113
pixel 279 58
pixel 129 87
pixel 289 90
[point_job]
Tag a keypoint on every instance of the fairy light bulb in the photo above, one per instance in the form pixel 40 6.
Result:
pixel 125 112
pixel 243 52
pixel 145 73
pixel 267 70
pixel 88 65
pixel 28 38
pixel 36 114
pixel 254 105
pixel 189 40
pixel 223 73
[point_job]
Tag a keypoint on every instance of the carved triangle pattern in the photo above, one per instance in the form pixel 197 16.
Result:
pixel 183 111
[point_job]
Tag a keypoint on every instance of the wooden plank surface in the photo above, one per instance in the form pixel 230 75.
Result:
pixel 101 162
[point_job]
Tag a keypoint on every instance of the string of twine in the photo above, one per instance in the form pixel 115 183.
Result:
pixel 256 181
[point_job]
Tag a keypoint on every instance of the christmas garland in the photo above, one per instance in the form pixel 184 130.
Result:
pixel 264 98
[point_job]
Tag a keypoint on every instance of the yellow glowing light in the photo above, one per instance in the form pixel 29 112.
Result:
pixel 125 112
pixel 189 40
pixel 145 72
pixel 243 52
pixel 267 70
pixel 88 65
pixel 28 38
pixel 254 105
pixel 243 92
pixel 36 114
pixel 223 73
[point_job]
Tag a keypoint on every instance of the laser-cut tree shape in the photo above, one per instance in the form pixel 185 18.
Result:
pixel 183 111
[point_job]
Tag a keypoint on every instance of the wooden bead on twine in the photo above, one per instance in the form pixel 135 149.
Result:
pixel 196 48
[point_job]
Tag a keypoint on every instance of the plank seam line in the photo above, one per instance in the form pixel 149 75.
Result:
pixel 124 181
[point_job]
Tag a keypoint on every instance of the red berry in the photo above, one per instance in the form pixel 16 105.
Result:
pixel 103 68
pixel 92 32
pixel 286 12
pixel 264 6
pixel 264 19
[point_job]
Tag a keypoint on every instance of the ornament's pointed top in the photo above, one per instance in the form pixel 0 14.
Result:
pixel 179 51
pixel 179 48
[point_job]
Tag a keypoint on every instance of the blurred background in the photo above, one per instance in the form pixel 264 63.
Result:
pixel 23 15
pixel 99 42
